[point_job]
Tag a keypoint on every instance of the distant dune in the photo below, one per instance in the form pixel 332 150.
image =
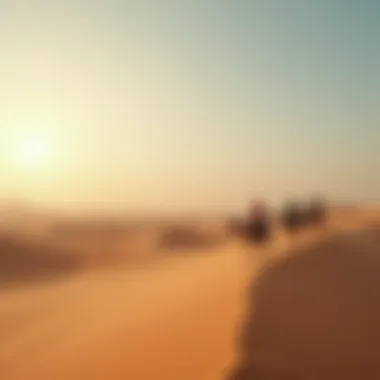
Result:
pixel 61 248
pixel 23 260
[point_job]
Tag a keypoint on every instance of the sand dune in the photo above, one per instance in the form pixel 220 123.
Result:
pixel 22 260
pixel 174 319
pixel 316 314
pixel 73 246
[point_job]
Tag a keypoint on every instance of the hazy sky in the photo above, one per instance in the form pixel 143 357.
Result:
pixel 189 104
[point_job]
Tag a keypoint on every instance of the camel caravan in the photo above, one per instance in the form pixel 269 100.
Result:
pixel 258 225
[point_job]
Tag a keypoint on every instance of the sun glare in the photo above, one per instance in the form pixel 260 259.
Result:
pixel 35 150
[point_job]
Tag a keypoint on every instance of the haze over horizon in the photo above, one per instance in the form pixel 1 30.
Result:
pixel 189 105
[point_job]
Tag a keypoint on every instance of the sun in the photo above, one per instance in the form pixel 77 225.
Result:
pixel 35 150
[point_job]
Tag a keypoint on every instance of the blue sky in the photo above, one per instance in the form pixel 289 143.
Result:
pixel 192 104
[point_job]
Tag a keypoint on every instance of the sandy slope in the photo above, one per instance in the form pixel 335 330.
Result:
pixel 176 320
pixel 170 322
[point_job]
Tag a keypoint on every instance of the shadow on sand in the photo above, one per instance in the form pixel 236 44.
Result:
pixel 316 314
pixel 24 262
